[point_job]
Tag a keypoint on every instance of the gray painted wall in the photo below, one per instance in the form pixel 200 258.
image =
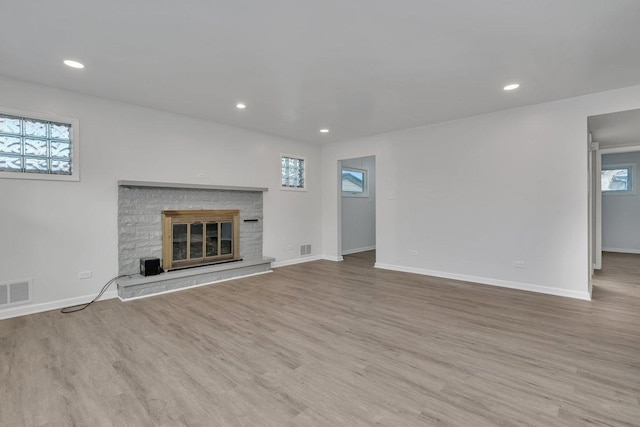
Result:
pixel 359 213
pixel 621 213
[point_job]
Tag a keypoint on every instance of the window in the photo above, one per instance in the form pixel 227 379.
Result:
pixel 293 173
pixel 38 146
pixel 618 179
pixel 354 182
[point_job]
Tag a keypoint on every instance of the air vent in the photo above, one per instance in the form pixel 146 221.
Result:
pixel 14 293
pixel 305 249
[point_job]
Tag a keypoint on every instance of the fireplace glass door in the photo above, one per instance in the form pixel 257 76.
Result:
pixel 199 237
pixel 180 242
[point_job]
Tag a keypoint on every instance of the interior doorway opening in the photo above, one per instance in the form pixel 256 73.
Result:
pixel 614 202
pixel 357 201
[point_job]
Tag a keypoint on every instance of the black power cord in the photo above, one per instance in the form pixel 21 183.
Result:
pixel 74 308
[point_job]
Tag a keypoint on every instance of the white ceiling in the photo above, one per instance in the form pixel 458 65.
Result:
pixel 616 129
pixel 358 67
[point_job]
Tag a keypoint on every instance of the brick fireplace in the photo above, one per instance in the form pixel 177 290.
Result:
pixel 200 240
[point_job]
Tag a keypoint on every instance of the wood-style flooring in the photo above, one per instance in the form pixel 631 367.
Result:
pixel 333 344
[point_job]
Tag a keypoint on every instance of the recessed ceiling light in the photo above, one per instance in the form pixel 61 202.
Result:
pixel 512 86
pixel 73 64
pixel 324 130
pixel 241 106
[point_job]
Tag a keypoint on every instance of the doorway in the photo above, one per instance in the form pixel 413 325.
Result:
pixel 615 200
pixel 357 194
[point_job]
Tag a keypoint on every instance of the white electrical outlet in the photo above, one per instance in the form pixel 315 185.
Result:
pixel 519 264
pixel 289 247
pixel 85 274
pixel 413 252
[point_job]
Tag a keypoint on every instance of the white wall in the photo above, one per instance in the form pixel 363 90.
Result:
pixel 52 230
pixel 472 196
pixel 621 213
pixel 359 213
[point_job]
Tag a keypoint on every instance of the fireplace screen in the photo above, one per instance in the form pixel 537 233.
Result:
pixel 198 237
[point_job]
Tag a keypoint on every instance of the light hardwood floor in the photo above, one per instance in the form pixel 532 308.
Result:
pixel 333 344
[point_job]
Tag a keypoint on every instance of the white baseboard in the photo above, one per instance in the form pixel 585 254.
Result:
pixel 23 310
pixel 492 282
pixel 622 251
pixel 306 259
pixel 357 250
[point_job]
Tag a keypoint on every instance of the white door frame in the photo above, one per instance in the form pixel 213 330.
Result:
pixel 597 262
pixel 597 200
pixel 591 203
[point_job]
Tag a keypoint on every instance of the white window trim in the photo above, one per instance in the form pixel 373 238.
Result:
pixel 304 172
pixel 365 193
pixel 75 146
pixel 632 190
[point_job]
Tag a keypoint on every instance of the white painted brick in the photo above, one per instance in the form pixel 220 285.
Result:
pixel 140 219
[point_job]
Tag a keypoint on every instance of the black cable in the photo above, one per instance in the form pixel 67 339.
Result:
pixel 73 309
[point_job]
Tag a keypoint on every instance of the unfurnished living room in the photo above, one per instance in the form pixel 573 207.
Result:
pixel 320 213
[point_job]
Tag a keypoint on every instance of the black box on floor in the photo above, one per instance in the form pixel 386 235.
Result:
pixel 150 266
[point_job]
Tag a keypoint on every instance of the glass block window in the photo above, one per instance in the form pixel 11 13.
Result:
pixel 617 179
pixel 33 146
pixel 293 172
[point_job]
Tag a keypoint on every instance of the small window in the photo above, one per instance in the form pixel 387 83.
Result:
pixel 618 179
pixel 37 147
pixel 354 182
pixel 293 172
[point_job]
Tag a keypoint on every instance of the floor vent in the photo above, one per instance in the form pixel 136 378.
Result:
pixel 305 249
pixel 14 293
